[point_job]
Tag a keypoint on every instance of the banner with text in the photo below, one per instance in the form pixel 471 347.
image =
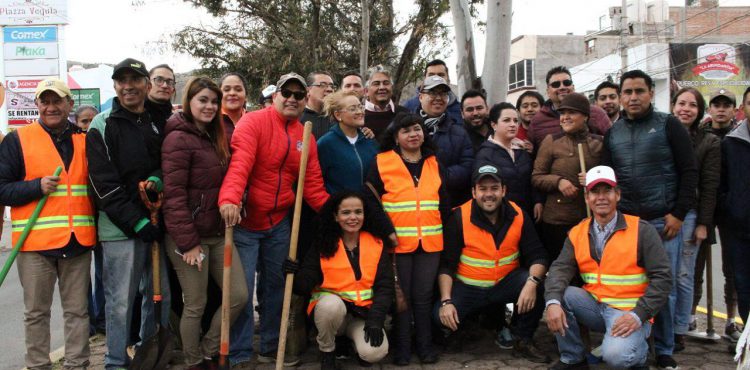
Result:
pixel 708 67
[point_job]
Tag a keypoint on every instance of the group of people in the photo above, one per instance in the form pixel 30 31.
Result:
pixel 438 213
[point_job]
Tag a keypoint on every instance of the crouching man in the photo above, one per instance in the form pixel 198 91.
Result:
pixel 492 257
pixel 626 277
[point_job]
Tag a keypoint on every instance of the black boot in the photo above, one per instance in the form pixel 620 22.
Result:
pixel 328 361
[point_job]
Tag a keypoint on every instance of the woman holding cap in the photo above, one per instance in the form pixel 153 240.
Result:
pixel 195 156
pixel 504 151
pixel 558 172
pixel 688 106
pixel 407 177
pixel 344 152
pixel 234 90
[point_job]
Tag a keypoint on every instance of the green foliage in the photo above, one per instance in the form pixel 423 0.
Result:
pixel 263 39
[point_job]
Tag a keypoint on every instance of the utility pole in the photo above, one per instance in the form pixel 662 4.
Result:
pixel 624 32
pixel 364 41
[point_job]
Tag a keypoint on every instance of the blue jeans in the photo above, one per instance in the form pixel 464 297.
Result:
pixel 664 320
pixel 618 352
pixel 686 275
pixel 127 269
pixel 738 245
pixel 270 248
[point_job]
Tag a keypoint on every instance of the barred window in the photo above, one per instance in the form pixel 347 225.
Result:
pixel 521 74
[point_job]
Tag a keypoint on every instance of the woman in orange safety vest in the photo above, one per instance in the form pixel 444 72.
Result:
pixel 408 179
pixel 350 277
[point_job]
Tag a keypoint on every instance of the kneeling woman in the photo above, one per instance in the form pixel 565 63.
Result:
pixel 350 277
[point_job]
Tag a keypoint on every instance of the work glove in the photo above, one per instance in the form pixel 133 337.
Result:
pixel 149 233
pixel 374 336
pixel 290 266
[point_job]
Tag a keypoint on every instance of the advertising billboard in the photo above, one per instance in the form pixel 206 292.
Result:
pixel 711 66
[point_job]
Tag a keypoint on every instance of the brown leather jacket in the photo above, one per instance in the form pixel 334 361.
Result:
pixel 557 159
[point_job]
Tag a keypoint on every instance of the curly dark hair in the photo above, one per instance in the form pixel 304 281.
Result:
pixel 328 231
pixel 403 120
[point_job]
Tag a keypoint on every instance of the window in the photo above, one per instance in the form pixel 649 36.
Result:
pixel 521 74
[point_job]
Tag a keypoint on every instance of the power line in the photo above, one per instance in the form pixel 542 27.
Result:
pixel 657 54
pixel 643 38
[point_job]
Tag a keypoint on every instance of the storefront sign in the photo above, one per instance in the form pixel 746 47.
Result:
pixel 26 12
pixel 42 50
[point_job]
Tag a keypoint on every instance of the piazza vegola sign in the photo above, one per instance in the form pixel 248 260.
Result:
pixel 30 12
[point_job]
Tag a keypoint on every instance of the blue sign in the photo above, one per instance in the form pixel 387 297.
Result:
pixel 29 34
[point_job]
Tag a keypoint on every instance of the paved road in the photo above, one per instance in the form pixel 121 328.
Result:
pixel 11 321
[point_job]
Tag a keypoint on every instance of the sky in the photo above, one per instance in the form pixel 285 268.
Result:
pixel 112 30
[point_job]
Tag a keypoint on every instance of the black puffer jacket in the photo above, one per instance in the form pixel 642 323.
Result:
pixel 734 191
pixel 516 174
pixel 193 174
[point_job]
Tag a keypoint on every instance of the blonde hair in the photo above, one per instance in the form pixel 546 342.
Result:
pixel 334 102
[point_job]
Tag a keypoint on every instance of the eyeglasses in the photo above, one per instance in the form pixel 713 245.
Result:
pixel 325 85
pixel 160 81
pixel 556 84
pixel 298 95
pixel 353 109
pixel 437 94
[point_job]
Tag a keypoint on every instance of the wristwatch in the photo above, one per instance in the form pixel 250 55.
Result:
pixel 535 279
pixel 445 302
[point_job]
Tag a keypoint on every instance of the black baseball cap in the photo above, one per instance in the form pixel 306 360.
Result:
pixel 132 65
pixel 485 170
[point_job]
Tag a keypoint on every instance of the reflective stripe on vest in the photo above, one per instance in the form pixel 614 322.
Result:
pixel 482 264
pixel 413 210
pixel 617 280
pixel 338 276
pixel 68 209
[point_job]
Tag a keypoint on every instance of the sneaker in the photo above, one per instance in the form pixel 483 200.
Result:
pixel 732 332
pixel 328 361
pixel 527 350
pixel 693 325
pixel 666 362
pixel 559 365
pixel 504 339
pixel 270 357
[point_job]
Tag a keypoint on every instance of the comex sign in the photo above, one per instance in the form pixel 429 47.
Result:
pixel 29 34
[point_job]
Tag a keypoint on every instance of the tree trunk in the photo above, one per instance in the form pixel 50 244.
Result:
pixel 424 15
pixel 466 68
pixel 497 50
pixel 364 40
pixel 315 31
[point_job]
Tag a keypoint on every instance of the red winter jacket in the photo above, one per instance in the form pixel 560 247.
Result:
pixel 266 151
pixel 547 122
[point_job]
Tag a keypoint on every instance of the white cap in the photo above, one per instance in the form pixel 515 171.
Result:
pixel 600 174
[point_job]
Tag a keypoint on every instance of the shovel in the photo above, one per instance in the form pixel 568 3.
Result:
pixel 710 333
pixel 226 286
pixel 156 351
pixel 293 245
pixel 25 233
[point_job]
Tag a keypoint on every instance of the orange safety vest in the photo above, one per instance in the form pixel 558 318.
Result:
pixel 617 280
pixel 338 276
pixel 481 264
pixel 414 211
pixel 68 209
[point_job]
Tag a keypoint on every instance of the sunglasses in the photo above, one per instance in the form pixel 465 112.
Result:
pixel 298 95
pixel 565 83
